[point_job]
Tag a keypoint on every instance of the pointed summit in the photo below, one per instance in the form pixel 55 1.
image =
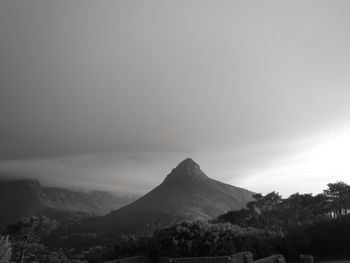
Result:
pixel 186 194
pixel 187 166
pixel 187 169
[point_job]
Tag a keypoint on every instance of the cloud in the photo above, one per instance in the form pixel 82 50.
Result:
pixel 122 172
pixel 91 78
pixel 234 81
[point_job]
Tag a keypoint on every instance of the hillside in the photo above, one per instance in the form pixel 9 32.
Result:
pixel 19 198
pixel 185 194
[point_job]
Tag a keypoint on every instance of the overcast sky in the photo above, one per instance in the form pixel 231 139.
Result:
pixel 113 94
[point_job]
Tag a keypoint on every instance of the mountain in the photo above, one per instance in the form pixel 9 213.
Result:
pixel 19 198
pixel 95 202
pixel 185 194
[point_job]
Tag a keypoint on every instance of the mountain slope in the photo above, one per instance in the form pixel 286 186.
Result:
pixel 185 194
pixel 95 202
pixel 19 198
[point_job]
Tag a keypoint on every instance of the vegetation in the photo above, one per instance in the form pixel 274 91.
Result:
pixel 26 235
pixel 317 224
pixel 5 249
pixel 301 223
pixel 197 239
pixel 274 213
pixel 329 238
pixel 29 239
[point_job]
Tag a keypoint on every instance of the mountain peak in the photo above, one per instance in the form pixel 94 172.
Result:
pixel 187 165
pixel 186 194
pixel 187 168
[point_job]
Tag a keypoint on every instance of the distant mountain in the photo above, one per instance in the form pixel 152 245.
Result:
pixel 19 198
pixel 95 202
pixel 185 194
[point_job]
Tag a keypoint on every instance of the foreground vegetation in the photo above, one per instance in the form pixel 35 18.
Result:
pixel 198 239
pixel 301 223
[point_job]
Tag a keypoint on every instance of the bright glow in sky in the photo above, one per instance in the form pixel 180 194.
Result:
pixel 320 161
pixel 305 166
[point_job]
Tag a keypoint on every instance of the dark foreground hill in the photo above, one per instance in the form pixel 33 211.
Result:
pixel 185 194
pixel 19 198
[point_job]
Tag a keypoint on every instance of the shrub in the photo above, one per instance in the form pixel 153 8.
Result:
pixel 198 239
pixel 5 249
pixel 326 238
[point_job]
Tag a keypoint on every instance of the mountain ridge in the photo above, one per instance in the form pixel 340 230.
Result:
pixel 186 193
pixel 25 197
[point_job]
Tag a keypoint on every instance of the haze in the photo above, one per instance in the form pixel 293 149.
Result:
pixel 113 94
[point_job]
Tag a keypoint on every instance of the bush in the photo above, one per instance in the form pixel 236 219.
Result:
pixel 5 249
pixel 198 239
pixel 326 238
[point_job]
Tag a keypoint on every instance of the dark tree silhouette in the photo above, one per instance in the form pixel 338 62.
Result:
pixel 338 195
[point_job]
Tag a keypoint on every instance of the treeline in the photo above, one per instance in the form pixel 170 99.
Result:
pixel 318 225
pixel 272 212
pixel 299 224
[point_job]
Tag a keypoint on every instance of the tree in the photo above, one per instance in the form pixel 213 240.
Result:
pixel 321 206
pixel 5 249
pixel 338 195
pixel 265 209
pixel 241 217
pixel 27 234
pixel 299 208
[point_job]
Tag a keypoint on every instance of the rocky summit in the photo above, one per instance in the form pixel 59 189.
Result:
pixel 185 170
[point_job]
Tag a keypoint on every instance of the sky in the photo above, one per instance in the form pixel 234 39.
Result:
pixel 114 94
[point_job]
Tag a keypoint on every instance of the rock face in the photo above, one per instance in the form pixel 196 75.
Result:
pixel 185 170
pixel 20 198
pixel 185 194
